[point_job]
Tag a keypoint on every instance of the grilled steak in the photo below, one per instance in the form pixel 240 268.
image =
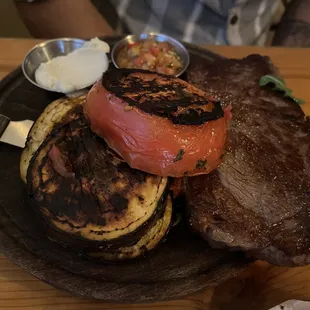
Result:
pixel 258 200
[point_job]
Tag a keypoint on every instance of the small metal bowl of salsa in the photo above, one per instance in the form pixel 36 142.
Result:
pixel 150 51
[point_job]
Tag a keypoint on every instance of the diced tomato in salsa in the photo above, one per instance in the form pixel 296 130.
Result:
pixel 150 55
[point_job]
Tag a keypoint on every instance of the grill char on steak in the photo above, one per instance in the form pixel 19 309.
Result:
pixel 258 200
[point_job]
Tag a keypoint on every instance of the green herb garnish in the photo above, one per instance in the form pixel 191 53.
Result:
pixel 179 155
pixel 201 164
pixel 278 84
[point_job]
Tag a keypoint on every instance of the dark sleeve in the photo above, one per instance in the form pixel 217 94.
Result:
pixel 294 28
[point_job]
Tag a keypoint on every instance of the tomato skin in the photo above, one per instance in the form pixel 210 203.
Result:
pixel 151 143
pixel 154 50
pixel 138 62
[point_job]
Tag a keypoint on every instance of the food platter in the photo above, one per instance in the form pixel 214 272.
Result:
pixel 181 265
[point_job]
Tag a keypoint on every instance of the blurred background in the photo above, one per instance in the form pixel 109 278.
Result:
pixel 10 23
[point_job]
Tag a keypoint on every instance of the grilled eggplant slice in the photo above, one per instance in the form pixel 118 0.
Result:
pixel 56 113
pixel 90 198
pixel 153 236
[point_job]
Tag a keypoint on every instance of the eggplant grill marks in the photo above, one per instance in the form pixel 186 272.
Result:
pixel 106 204
pixel 161 95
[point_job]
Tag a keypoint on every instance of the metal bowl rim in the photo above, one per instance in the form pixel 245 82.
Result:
pixel 136 38
pixel 40 45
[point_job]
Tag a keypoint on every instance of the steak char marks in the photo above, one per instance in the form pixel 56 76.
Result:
pixel 258 200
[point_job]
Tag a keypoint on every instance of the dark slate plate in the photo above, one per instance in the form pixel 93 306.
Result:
pixel 181 265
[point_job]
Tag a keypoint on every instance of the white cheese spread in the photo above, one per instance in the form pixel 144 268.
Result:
pixel 77 70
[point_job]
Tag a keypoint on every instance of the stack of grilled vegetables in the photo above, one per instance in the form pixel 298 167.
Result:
pixel 99 168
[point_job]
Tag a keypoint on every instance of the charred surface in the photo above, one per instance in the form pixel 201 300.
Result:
pixel 112 248
pixel 105 203
pixel 164 96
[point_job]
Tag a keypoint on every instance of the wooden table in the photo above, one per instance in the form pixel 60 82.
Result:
pixel 260 287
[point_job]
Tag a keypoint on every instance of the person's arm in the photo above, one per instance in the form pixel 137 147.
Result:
pixel 294 28
pixel 63 18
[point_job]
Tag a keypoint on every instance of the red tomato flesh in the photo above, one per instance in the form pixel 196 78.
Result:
pixel 151 143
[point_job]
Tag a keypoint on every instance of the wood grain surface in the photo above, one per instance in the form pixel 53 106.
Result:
pixel 260 287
